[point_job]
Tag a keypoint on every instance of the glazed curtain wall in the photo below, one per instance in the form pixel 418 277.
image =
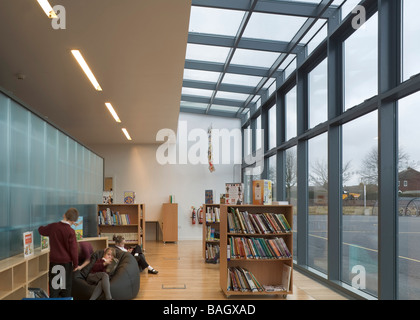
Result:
pixel 344 136
pixel 42 173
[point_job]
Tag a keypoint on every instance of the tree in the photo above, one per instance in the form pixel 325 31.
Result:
pixel 370 164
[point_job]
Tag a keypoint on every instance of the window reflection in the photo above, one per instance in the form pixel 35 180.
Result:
pixel 409 198
pixel 318 98
pixel 411 45
pixel 361 64
pixel 291 116
pixel 291 190
pixel 360 201
pixel 318 203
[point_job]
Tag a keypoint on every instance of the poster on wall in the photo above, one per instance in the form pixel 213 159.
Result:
pixel 28 244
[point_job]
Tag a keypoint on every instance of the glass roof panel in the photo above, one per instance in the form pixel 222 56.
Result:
pixel 241 79
pixel 224 108
pixel 232 95
pixel 206 53
pixel 201 75
pixel 194 105
pixel 273 26
pixel 254 58
pixel 215 21
pixel 197 92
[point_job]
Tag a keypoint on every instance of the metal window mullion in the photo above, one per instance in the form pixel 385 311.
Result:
pixel 335 106
pixel 389 26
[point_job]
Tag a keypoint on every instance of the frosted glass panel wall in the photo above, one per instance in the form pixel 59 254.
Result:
pixel 43 172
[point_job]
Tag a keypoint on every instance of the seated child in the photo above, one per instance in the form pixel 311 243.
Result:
pixel 100 274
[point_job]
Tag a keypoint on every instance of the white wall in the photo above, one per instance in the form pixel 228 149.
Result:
pixel 135 168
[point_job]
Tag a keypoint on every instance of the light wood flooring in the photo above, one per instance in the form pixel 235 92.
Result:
pixel 183 275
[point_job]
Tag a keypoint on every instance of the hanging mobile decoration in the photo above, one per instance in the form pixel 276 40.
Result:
pixel 210 151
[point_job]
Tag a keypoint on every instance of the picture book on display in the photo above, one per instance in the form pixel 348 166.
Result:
pixel 28 244
pixel 129 197
pixel 45 243
pixel 78 228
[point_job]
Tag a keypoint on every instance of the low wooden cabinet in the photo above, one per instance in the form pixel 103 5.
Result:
pixel 170 222
pixel 17 274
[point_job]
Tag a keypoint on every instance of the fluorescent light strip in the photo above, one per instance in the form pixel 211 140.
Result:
pixel 126 133
pixel 49 11
pixel 112 111
pixel 78 56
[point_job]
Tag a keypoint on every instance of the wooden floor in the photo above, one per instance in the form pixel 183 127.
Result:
pixel 183 275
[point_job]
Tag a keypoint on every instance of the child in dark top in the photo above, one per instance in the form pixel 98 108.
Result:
pixel 98 275
pixel 63 253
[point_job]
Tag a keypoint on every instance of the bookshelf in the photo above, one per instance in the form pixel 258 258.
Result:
pixel 18 273
pixel 211 232
pixel 271 270
pixel 128 220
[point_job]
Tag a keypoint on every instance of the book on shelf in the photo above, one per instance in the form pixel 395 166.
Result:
pixel 212 214
pixel 108 217
pixel 78 228
pixel 129 197
pixel 257 248
pixel 128 236
pixel 240 279
pixel 28 244
pixel 256 223
pixel 212 253
pixel 213 234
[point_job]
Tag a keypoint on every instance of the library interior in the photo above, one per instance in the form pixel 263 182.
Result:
pixel 205 150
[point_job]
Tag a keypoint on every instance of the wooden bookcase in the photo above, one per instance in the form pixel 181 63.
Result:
pixel 267 271
pixel 209 223
pixel 18 273
pixel 134 232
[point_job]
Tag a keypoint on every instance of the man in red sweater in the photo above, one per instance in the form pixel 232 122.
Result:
pixel 63 253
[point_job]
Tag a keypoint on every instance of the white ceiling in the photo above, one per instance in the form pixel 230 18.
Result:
pixel 135 48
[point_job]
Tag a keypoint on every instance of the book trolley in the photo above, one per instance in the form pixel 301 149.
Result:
pixel 256 249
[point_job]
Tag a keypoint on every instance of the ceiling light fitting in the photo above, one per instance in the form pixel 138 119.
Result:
pixel 78 56
pixel 126 133
pixel 49 11
pixel 112 111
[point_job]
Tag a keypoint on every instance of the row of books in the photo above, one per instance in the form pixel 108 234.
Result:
pixel 108 217
pixel 213 214
pixel 212 253
pixel 128 236
pixel 257 248
pixel 240 279
pixel 257 223
pixel 213 234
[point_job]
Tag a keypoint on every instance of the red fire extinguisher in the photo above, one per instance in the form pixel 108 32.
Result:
pixel 200 215
pixel 193 215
